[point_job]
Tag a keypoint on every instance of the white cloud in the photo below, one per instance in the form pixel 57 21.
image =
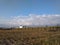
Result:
pixel 33 19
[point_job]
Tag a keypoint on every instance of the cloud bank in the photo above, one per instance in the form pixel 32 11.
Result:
pixel 35 20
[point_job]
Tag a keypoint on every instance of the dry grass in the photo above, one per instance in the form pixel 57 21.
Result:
pixel 31 36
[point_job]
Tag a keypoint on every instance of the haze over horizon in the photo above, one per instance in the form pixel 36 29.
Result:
pixel 29 12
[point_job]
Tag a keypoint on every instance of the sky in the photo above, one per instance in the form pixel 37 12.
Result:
pixel 30 12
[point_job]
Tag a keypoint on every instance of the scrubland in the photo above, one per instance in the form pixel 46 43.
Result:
pixel 31 36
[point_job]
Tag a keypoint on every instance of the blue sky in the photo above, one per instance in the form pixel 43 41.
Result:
pixel 25 7
pixel 12 8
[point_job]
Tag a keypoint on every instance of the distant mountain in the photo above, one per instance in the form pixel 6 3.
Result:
pixel 15 26
pixel 4 26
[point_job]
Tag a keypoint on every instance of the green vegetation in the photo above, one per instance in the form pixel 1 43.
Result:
pixel 31 36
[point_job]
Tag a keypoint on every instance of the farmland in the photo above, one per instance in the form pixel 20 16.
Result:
pixel 31 36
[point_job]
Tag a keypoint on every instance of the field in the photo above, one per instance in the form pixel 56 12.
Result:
pixel 31 36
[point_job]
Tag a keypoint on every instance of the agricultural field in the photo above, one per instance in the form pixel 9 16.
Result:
pixel 31 36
